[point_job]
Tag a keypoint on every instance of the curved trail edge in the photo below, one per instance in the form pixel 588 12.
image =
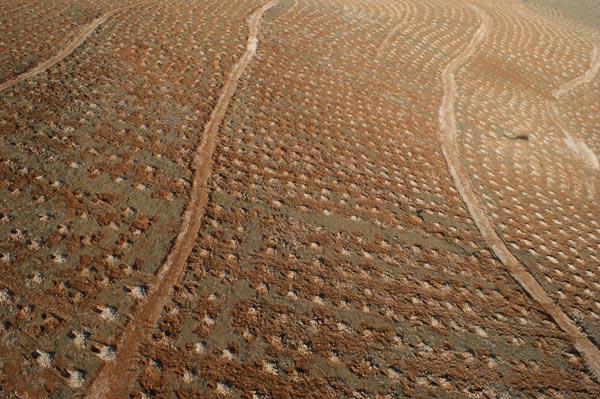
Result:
pixel 584 78
pixel 115 377
pixel 385 41
pixel 579 148
pixel 447 136
pixel 65 52
pixel 289 10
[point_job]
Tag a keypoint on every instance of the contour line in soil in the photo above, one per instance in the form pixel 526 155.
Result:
pixel 447 136
pixel 115 377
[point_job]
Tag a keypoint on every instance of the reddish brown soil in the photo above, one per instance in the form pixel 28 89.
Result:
pixel 299 198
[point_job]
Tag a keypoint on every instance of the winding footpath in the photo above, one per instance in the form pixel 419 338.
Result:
pixel 385 41
pixel 68 50
pixel 289 10
pixel 584 78
pixel 578 147
pixel 116 376
pixel 447 137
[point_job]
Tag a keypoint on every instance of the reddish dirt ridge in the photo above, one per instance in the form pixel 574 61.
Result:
pixel 448 131
pixel 85 33
pixel 114 379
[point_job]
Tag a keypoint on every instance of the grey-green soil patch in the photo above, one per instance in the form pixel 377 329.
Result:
pixel 587 11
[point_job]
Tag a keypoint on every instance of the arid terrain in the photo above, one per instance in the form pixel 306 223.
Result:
pixel 300 199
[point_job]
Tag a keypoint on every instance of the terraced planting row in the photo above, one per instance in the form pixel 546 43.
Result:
pixel 347 176
pixel 31 32
pixel 95 157
pixel 327 201
pixel 536 174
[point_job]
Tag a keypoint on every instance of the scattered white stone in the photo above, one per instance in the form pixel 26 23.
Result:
pixel 227 354
pixel 57 258
pixel 188 377
pixel 199 347
pixel 270 368
pixel 391 373
pixel 223 389
pixel 33 245
pixel 4 296
pixel 16 235
pixel 209 321
pixel 108 313
pixel 480 331
pixel 291 295
pixel 79 340
pixel 43 359
pixel 138 292
pixel 75 379
pixel 107 353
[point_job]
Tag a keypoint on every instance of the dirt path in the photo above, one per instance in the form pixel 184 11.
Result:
pixel 392 32
pixel 577 147
pixel 447 136
pixel 65 52
pixel 584 78
pixel 289 10
pixel 116 376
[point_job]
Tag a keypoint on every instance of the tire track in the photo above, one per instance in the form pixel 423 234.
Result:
pixel 115 377
pixel 577 147
pixel 582 79
pixel 395 29
pixel 86 31
pixel 289 10
pixel 447 136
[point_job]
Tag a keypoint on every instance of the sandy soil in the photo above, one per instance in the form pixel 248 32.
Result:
pixel 448 130
pixel 112 380
pixel 585 78
pixel 384 43
pixel 577 147
pixel 85 33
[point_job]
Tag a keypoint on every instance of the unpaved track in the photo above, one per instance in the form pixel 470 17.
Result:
pixel 72 46
pixel 386 39
pixel 447 136
pixel 289 10
pixel 391 33
pixel 584 78
pixel 116 376
pixel 579 148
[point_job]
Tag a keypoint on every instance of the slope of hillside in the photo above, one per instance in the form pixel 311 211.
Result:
pixel 586 11
pixel 299 198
